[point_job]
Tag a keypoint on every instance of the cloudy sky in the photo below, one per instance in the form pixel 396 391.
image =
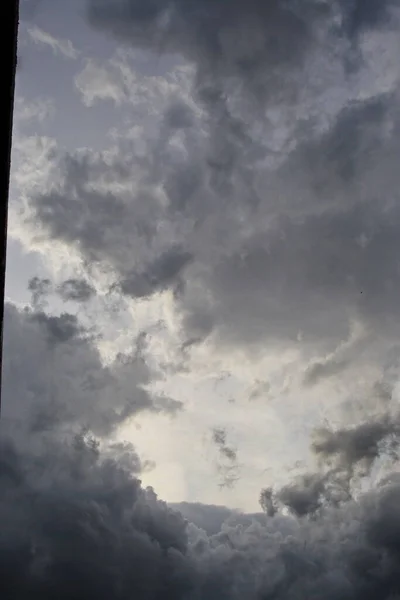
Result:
pixel 202 339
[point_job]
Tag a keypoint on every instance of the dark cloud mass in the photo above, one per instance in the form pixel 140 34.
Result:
pixel 76 290
pixel 233 36
pixel 268 199
pixel 53 377
pixel 76 523
pixel 360 444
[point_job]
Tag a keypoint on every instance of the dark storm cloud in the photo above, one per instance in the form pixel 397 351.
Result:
pixel 302 276
pixel 259 240
pixel 120 230
pixel 360 444
pixel 362 14
pixel 53 377
pixel 202 31
pixel 75 518
pixel 345 456
pixel 160 274
pixel 59 329
pixel 76 523
pixel 76 290
pixel 309 493
pixel 271 253
pixel 233 37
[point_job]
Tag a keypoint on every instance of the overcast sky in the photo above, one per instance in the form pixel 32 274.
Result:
pixel 203 285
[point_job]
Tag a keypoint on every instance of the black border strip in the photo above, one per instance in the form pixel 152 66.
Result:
pixel 9 17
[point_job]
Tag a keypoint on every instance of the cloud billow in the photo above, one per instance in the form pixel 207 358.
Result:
pixel 54 378
pixel 266 195
pixel 77 523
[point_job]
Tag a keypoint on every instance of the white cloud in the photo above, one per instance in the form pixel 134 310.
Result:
pixel 64 48
pixel 37 110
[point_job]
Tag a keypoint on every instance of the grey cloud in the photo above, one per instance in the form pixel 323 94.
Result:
pixel 76 290
pixel 312 558
pixel 309 276
pixel 59 329
pixel 364 14
pixel 245 39
pixel 312 491
pixel 271 221
pixel 201 30
pixel 321 370
pixel 346 354
pixel 210 518
pixel 76 522
pixel 302 277
pixel 359 444
pixel 54 379
pixel 40 288
pixel 345 458
pixel 159 274
pixel 272 253
pixel 219 439
pixel 213 519
pixel 227 462
pixel 113 228
pixel 178 116
pixel 342 156
pixel 303 497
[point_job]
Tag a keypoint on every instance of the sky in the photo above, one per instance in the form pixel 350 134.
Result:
pixel 200 393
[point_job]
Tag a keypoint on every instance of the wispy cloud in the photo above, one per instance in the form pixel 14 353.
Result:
pixel 64 48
